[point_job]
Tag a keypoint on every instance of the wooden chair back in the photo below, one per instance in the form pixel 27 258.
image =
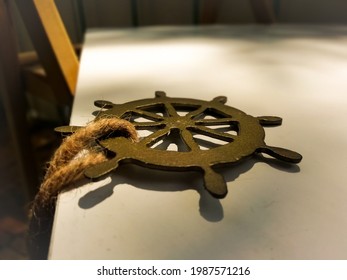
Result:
pixel 52 45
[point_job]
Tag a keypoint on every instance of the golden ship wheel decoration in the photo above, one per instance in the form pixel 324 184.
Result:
pixel 208 134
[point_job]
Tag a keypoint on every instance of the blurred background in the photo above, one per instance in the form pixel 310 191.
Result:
pixel 42 115
pixel 81 14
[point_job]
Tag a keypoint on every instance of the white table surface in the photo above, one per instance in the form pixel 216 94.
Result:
pixel 272 211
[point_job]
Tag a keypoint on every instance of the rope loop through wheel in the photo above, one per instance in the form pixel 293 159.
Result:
pixel 77 152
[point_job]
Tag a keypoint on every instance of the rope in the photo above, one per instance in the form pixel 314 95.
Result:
pixel 77 152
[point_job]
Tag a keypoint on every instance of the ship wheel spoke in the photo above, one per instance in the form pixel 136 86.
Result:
pixel 188 139
pixel 196 112
pixel 213 133
pixel 155 137
pixel 148 125
pixel 171 111
pixel 148 115
pixel 220 121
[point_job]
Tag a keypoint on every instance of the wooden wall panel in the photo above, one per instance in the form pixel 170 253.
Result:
pixel 235 11
pixel 69 15
pixel 106 13
pixel 23 39
pixel 313 11
pixel 165 12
